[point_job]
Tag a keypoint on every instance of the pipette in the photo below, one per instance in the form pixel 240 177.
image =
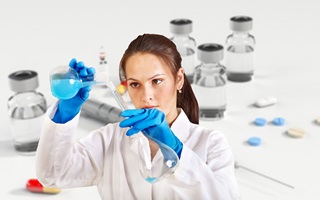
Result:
pixel 237 166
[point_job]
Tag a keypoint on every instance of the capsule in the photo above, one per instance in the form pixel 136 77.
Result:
pixel 33 185
pixel 264 102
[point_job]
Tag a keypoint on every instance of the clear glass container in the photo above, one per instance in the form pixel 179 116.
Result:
pixel 26 110
pixel 186 45
pixel 210 82
pixel 240 47
pixel 103 69
pixel 66 81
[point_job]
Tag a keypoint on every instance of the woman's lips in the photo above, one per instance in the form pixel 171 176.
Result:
pixel 150 107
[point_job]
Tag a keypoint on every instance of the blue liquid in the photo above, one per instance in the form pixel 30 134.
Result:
pixel 65 88
pixel 151 180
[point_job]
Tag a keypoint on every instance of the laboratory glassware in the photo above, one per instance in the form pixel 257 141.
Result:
pixel 186 45
pixel 103 68
pixel 102 56
pixel 240 47
pixel 164 162
pixel 66 82
pixel 209 83
pixel 27 109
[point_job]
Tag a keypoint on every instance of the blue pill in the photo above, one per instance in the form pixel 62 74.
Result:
pixel 260 121
pixel 254 141
pixel 278 121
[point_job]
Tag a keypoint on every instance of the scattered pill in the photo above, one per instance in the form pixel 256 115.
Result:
pixel 260 121
pixel 278 121
pixel 264 102
pixel 33 185
pixel 318 121
pixel 296 132
pixel 254 141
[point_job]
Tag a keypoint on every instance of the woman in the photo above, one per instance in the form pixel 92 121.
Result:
pixel 166 110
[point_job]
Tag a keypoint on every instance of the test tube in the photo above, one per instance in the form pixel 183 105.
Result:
pixel 117 96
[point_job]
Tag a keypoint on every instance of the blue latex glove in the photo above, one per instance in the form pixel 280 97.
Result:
pixel 152 122
pixel 69 108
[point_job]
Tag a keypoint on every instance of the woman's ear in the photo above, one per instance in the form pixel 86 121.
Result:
pixel 180 78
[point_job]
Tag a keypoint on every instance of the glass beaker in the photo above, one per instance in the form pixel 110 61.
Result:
pixel 66 82
pixel 163 163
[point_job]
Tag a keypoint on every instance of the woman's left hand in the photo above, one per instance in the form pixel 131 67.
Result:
pixel 153 124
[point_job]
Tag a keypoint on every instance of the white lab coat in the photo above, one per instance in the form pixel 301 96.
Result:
pixel 108 158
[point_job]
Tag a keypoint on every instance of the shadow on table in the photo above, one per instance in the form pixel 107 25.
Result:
pixel 24 192
pixel 7 149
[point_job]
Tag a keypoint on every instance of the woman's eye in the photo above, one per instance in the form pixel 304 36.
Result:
pixel 156 81
pixel 134 85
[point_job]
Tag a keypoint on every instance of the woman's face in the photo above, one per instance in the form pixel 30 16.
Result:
pixel 152 85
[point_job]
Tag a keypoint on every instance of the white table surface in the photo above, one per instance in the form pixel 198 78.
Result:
pixel 38 36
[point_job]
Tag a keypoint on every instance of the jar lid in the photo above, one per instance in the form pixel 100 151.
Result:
pixel 181 26
pixel 241 23
pixel 23 80
pixel 210 52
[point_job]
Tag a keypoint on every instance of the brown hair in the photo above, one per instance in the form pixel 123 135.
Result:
pixel 164 48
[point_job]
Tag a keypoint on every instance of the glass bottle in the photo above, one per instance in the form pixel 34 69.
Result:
pixel 186 45
pixel 240 50
pixel 103 69
pixel 26 110
pixel 210 82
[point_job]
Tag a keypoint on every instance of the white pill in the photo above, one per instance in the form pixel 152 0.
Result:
pixel 296 132
pixel 318 121
pixel 264 102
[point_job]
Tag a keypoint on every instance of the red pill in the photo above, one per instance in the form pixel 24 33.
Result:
pixel 33 185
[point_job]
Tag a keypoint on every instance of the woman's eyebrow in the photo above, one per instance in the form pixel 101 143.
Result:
pixel 152 77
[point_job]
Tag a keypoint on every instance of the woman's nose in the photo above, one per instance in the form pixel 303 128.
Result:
pixel 147 94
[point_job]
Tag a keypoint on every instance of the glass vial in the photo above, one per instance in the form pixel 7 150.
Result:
pixel 240 50
pixel 26 110
pixel 103 69
pixel 210 82
pixel 186 45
